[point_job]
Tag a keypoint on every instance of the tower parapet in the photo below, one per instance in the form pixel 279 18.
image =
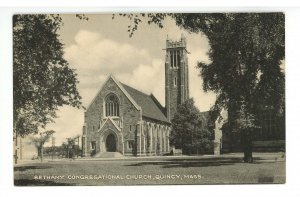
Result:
pixel 175 44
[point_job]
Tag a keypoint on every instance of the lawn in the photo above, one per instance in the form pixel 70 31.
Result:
pixel 162 170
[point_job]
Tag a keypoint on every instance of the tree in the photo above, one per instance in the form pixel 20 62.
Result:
pixel 72 147
pixel 245 122
pixel 42 78
pixel 246 50
pixel 64 150
pixel 188 132
pixel 39 142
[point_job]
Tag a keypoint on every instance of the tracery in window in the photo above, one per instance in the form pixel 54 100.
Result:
pixel 112 105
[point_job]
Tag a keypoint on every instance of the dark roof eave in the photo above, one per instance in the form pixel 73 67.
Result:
pixel 156 120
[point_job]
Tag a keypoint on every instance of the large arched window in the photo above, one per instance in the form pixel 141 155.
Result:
pixel 112 105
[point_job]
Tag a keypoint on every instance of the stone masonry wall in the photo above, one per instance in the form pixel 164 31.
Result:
pixel 130 115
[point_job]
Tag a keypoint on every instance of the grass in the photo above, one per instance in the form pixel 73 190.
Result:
pixel 163 170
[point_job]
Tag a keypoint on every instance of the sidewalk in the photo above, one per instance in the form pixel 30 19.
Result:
pixel 267 157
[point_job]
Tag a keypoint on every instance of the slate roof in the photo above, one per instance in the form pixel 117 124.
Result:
pixel 149 108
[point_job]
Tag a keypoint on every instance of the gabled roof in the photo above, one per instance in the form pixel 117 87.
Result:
pixel 121 87
pixel 149 107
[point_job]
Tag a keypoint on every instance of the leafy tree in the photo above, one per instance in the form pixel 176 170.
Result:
pixel 72 147
pixel 64 149
pixel 187 130
pixel 246 50
pixel 42 78
pixel 245 122
pixel 52 151
pixel 39 142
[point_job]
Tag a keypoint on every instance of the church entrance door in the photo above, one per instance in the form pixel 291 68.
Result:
pixel 111 143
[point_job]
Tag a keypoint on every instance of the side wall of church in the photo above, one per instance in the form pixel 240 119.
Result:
pixel 129 116
pixel 155 138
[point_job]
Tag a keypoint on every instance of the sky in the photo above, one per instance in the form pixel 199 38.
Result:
pixel 101 46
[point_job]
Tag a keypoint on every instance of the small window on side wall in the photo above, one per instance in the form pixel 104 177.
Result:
pixel 175 81
pixel 93 145
pixel 130 144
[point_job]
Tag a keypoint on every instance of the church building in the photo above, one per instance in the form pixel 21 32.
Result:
pixel 123 119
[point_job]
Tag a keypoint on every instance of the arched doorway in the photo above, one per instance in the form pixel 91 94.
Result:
pixel 110 143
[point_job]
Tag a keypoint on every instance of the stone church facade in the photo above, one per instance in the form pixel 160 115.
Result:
pixel 125 120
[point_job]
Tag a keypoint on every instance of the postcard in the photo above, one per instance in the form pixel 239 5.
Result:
pixel 149 99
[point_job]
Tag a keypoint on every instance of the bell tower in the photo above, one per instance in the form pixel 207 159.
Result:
pixel 176 75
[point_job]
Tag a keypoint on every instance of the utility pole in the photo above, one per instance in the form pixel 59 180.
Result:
pixel 68 139
pixel 78 145
pixel 42 148
pixel 53 146
pixel 15 139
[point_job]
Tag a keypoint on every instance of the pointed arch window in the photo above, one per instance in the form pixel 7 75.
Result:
pixel 172 59
pixel 112 105
pixel 178 59
pixel 175 58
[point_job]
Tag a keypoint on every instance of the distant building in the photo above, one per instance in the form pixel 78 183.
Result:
pixel 125 120
pixel 268 136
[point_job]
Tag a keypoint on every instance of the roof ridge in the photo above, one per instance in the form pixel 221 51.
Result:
pixel 149 104
pixel 120 85
pixel 136 89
